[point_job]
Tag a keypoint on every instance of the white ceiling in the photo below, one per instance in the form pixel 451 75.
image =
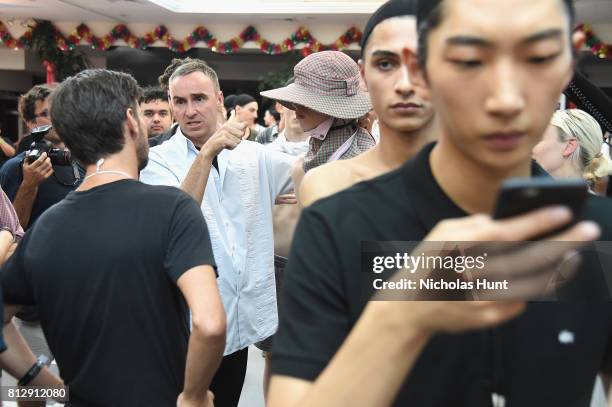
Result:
pixel 187 11
pixel 247 11
pixel 594 11
pixel 283 7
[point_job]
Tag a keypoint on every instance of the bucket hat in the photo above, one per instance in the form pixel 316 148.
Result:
pixel 326 82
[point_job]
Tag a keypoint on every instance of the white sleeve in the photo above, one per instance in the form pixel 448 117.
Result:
pixel 157 172
pixel 279 168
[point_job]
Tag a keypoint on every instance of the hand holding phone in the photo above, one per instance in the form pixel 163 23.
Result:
pixel 522 195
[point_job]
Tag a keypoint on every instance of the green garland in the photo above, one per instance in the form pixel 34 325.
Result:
pixel 63 63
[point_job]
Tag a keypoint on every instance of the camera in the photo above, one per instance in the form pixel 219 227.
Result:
pixel 58 156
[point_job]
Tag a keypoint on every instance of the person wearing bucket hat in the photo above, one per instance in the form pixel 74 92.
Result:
pixel 406 121
pixel 327 100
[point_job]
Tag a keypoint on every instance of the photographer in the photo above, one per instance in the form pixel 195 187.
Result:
pixel 34 181
pixel 35 185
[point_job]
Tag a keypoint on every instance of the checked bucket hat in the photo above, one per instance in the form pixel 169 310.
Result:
pixel 327 82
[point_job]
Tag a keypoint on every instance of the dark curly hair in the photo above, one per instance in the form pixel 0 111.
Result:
pixel 152 93
pixel 27 102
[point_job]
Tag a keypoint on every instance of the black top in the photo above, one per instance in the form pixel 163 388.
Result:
pixel 102 267
pixel 25 144
pixel 51 191
pixel 524 360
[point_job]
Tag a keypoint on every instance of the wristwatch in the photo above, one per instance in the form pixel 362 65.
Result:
pixel 34 370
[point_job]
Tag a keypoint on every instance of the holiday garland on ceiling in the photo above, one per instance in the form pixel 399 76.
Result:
pixel 58 64
pixel 83 33
pixel 597 46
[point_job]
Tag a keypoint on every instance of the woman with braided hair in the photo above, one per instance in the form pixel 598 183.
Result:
pixel 572 148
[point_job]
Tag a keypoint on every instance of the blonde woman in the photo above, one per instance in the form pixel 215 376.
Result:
pixel 572 148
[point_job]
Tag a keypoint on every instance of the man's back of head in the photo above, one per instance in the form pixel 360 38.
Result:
pixel 89 109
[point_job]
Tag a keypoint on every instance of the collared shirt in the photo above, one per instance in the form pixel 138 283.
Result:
pixel 548 356
pixel 325 142
pixel 237 206
pixel 320 132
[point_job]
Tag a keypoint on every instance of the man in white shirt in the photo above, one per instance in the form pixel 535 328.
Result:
pixel 236 182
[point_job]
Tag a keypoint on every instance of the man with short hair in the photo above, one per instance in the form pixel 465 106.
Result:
pixel 494 71
pixel 406 121
pixel 163 84
pixel 236 182
pixel 116 267
pixel 156 111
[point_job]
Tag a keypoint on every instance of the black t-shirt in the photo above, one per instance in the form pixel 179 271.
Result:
pixel 524 359
pixel 25 143
pixel 102 267
pixel 50 192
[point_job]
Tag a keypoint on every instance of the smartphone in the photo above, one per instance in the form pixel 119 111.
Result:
pixel 521 195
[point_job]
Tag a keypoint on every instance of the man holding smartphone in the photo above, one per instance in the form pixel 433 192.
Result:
pixel 494 71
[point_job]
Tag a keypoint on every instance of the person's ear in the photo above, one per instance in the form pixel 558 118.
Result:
pixel 418 76
pixel 361 64
pixel 570 147
pixel 132 123
pixel 220 98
